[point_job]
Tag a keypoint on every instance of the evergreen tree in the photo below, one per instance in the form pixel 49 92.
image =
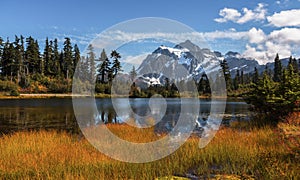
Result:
pixel 133 73
pixel 295 65
pixel 68 59
pixel 76 56
pixel 1 47
pixel 7 62
pixel 275 99
pixel 227 75
pixel 19 51
pixel 47 56
pixel 167 84
pixel 174 90
pixel 23 79
pixel 92 66
pixel 85 68
pixel 236 80
pixel 255 76
pixel 104 66
pixel 134 92
pixel 116 65
pixel 40 67
pixel 32 55
pixel 277 69
pixel 242 80
pixel 56 69
pixel 290 60
pixel 1 53
pixel 61 64
pixel 203 85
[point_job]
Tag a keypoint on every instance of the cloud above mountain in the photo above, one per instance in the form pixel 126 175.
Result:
pixel 263 44
pixel 243 16
pixel 259 32
pixel 285 18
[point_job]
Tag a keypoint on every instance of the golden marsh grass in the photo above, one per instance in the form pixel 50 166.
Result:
pixel 255 154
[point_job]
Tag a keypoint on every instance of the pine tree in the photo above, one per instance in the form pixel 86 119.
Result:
pixel 19 51
pixel 47 56
pixel 227 75
pixel 290 60
pixel 61 64
pixel 7 62
pixel 236 80
pixel 1 47
pixel 67 59
pixel 104 66
pixel 23 78
pixel 76 56
pixel 85 68
pixel 167 84
pixel 1 53
pixel 295 65
pixel 203 85
pixel 57 67
pixel 92 65
pixel 242 79
pixel 255 76
pixel 32 55
pixel 116 65
pixel 277 69
pixel 133 73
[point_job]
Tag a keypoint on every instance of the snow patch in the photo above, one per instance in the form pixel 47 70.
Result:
pixel 177 52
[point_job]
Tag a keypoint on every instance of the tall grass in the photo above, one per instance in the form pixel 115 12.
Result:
pixel 57 155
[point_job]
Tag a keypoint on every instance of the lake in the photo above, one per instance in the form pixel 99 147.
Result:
pixel 58 114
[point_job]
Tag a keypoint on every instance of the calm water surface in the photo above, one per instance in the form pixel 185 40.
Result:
pixel 34 114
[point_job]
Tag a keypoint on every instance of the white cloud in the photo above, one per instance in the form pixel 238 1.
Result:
pixel 285 18
pixel 273 48
pixel 261 46
pixel 113 39
pixel 266 53
pixel 286 35
pixel 285 42
pixel 256 54
pixel 229 14
pixel 225 34
pixel 136 60
pixel 256 35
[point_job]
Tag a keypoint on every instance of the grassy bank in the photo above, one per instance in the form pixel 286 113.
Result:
pixel 99 95
pixel 46 96
pixel 258 154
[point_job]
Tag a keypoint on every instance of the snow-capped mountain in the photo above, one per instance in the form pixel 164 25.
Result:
pixel 237 62
pixel 186 61
pixel 181 62
pixel 247 64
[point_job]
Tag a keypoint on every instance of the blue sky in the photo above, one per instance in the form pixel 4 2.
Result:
pixel 256 28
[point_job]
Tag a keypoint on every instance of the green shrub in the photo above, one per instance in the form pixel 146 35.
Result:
pixel 59 86
pixel 7 86
pixel 14 93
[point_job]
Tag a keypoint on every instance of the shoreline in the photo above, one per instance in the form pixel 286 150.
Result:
pixel 59 95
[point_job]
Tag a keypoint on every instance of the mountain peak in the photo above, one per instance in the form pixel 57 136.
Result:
pixel 175 52
pixel 188 45
pixel 231 54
